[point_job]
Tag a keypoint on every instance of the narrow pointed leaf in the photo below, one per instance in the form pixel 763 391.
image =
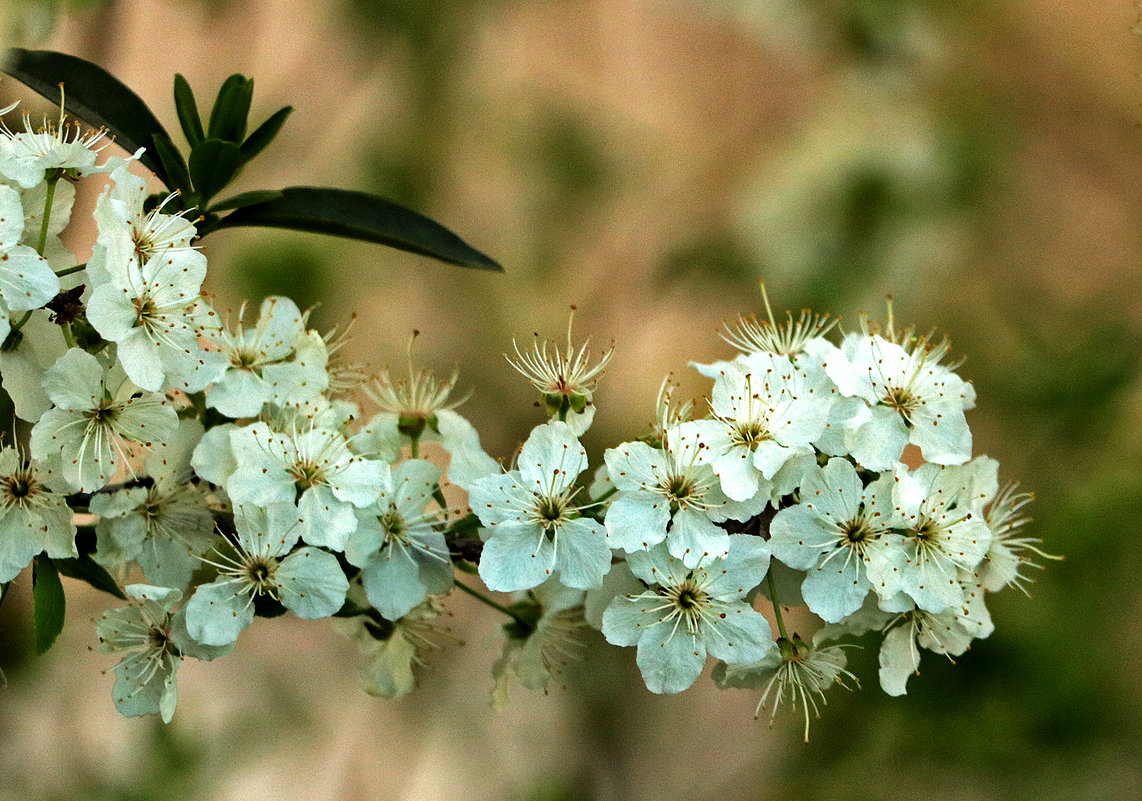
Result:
pixel 173 162
pixel 264 133
pixel 48 603
pixel 87 569
pixel 246 199
pixel 187 109
pixel 357 215
pixel 93 95
pixel 213 164
pixel 231 108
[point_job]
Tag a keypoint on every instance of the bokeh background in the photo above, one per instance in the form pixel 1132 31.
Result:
pixel 648 161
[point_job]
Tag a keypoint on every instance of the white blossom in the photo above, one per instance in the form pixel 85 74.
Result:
pixel 97 415
pixel 533 527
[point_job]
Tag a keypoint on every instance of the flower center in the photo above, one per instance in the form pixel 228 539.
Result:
pixel 307 473
pixel 104 414
pixel 901 399
pixel 855 532
pixel 687 601
pixel 750 434
pixel 145 310
pixel 260 572
pixel 550 511
pixel 19 485
pixel 924 531
pixel 144 247
pixel 244 359
pixel 394 527
pixel 679 488
pixel 159 638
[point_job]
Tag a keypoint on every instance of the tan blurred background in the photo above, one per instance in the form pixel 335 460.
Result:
pixel 648 161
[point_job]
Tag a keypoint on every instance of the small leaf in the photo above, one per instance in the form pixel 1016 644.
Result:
pixel 187 109
pixel 48 603
pixel 174 163
pixel 231 108
pixel 357 215
pixel 87 569
pixel 264 134
pixel 93 95
pixel 246 199
pixel 213 164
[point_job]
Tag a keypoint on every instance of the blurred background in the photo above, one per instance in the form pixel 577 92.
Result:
pixel 648 161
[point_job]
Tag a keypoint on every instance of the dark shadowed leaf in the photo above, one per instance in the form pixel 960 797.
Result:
pixel 87 569
pixel 357 215
pixel 48 603
pixel 173 162
pixel 187 109
pixel 246 199
pixel 264 134
pixel 212 165
pixel 231 109
pixel 93 95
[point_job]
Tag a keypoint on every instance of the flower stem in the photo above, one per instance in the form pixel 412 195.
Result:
pixel 67 335
pixel 18 324
pixel 485 599
pixel 70 270
pixel 47 215
pixel 414 446
pixel 776 605
pixel 605 495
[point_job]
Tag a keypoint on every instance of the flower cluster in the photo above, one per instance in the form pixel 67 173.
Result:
pixel 230 474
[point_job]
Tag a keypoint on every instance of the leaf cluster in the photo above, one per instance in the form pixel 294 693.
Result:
pixel 219 149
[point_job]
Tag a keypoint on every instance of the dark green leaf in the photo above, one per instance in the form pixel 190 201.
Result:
pixel 87 569
pixel 264 134
pixel 357 215
pixel 246 199
pixel 187 109
pixel 4 590
pixel 93 95
pixel 213 164
pixel 231 108
pixel 48 603
pixel 174 163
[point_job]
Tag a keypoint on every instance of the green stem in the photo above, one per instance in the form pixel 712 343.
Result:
pixel 485 599
pixel 70 270
pixel 67 336
pixel 47 215
pixel 16 326
pixel 605 495
pixel 414 446
pixel 438 496
pixel 776 605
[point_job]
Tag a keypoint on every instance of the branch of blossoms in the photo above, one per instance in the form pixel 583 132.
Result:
pixel 226 470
